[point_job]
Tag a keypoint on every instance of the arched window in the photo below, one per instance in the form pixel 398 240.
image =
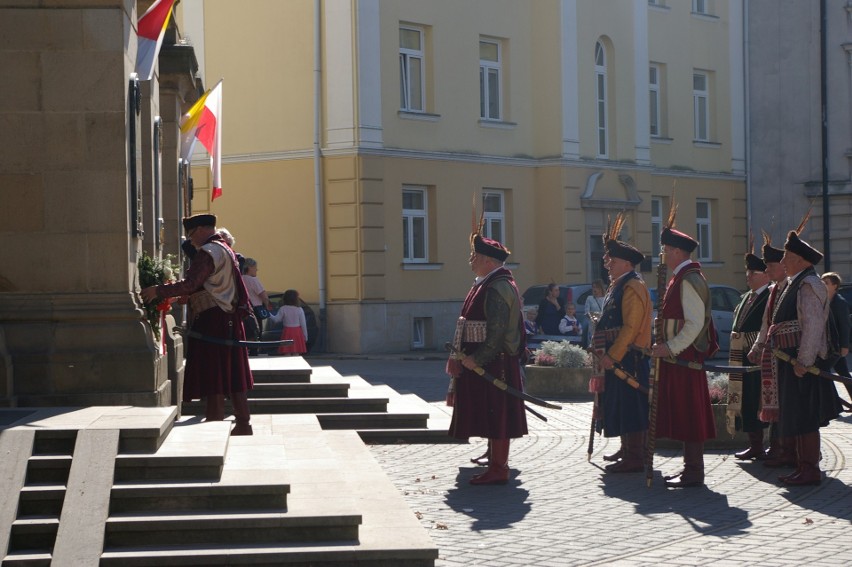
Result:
pixel 600 100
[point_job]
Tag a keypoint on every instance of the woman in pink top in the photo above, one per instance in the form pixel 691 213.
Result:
pixel 295 326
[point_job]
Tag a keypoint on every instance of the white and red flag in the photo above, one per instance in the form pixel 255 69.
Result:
pixel 151 28
pixel 203 122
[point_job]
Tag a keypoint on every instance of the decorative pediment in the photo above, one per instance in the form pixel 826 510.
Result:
pixel 631 199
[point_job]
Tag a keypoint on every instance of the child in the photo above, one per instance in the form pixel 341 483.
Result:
pixel 569 324
pixel 295 326
pixel 529 322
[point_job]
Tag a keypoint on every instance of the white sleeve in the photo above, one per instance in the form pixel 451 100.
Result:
pixel 693 319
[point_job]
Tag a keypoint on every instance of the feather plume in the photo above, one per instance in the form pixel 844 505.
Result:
pixel 605 235
pixel 750 242
pixel 617 225
pixel 804 221
pixel 670 222
pixel 767 239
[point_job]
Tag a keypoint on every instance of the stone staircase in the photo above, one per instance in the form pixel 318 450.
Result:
pixel 132 487
pixel 379 414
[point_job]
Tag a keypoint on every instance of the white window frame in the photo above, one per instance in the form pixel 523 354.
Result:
pixel 700 7
pixel 701 102
pixel 601 110
pixel 418 332
pixel 409 216
pixel 656 225
pixel 704 231
pixel 486 68
pixel 654 96
pixel 405 57
pixel 494 218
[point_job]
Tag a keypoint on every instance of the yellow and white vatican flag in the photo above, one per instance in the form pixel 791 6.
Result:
pixel 151 28
pixel 203 122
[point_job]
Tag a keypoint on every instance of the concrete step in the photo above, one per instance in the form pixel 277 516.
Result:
pixel 280 369
pixel 283 390
pixel 300 405
pixel 158 530
pixel 333 554
pixel 48 469
pixel 55 442
pixel 34 534
pixel 150 497
pixel 372 420
pixel 41 500
pixel 27 559
pixel 416 435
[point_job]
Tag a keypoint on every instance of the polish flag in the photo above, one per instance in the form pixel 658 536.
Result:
pixel 203 122
pixel 151 28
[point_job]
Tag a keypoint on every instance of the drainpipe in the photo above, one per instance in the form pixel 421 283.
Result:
pixel 321 268
pixel 823 33
pixel 747 116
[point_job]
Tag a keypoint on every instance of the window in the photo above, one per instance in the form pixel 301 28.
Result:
pixel 600 98
pixel 702 230
pixel 411 70
pixel 654 96
pixel 700 97
pixel 490 70
pixel 700 6
pixel 656 225
pixel 414 225
pixel 493 215
pixel 418 333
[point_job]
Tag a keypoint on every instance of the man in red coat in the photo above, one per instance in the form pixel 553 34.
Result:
pixel 218 301
pixel 490 333
pixel 684 412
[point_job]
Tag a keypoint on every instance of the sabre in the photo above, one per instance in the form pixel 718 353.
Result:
pixel 500 384
pixel 781 355
pixel 624 375
pixel 723 368
pixel 230 342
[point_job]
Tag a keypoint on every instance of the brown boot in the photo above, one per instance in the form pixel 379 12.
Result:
pixel 215 408
pixel 633 460
pixel 755 448
pixel 618 454
pixel 808 471
pixel 786 456
pixel 239 401
pixel 498 468
pixel 693 467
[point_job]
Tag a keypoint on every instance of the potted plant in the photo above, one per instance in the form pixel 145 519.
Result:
pixel 559 369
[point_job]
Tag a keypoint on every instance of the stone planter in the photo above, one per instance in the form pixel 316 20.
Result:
pixel 723 439
pixel 553 382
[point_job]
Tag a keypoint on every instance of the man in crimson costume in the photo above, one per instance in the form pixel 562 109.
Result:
pixel 798 327
pixel 218 302
pixel 782 450
pixel 625 321
pixel 744 388
pixel 490 334
pixel 684 412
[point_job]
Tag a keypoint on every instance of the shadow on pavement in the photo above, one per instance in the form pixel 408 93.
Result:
pixel 707 512
pixel 492 507
pixel 832 498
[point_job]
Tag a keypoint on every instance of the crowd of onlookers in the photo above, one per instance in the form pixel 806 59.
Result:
pixel 556 318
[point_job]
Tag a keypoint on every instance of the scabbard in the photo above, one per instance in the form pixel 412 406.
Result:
pixel 235 343
pixel 723 368
pixel 781 355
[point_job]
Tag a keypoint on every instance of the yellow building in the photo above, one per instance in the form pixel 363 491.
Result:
pixel 394 114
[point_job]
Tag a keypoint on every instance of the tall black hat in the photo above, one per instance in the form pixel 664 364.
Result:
pixel 798 246
pixel 617 248
pixel 482 245
pixel 770 254
pixel 752 262
pixel 673 237
pixel 198 220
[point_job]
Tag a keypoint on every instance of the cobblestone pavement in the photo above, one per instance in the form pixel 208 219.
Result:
pixel 560 509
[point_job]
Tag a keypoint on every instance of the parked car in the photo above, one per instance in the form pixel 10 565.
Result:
pixel 272 330
pixel 723 301
pixel 576 293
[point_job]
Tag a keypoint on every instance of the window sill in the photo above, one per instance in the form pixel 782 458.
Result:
pixel 706 144
pixel 705 17
pixel 661 140
pixel 421 266
pixel 422 116
pixel 659 8
pixel 499 124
